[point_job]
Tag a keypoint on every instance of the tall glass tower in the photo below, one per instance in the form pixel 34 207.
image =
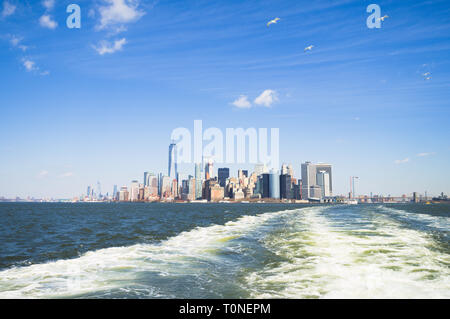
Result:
pixel 198 180
pixel 173 170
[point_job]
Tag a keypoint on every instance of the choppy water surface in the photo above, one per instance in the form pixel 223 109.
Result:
pixel 224 251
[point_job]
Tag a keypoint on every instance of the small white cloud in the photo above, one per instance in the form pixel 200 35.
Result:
pixel 426 154
pixel 29 65
pixel 8 9
pixel 16 42
pixel 42 174
pixel 119 12
pixel 107 47
pixel 267 98
pixel 406 160
pixel 48 4
pixel 242 102
pixel 65 175
pixel 46 21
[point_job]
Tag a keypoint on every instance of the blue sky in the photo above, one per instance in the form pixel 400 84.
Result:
pixel 99 103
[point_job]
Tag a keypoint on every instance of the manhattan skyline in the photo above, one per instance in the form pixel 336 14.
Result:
pixel 81 106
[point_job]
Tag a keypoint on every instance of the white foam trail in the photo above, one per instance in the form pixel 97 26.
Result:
pixel 120 267
pixel 438 222
pixel 323 261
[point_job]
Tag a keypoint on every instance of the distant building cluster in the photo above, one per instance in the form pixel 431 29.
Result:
pixel 206 185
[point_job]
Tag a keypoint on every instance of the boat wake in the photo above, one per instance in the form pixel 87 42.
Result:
pixel 313 252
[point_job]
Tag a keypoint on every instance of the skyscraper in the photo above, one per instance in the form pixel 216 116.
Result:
pixel 114 195
pixel 134 191
pixel 198 181
pixel 326 168
pixel 323 181
pixel 166 186
pixel 223 174
pixel 260 169
pixel 285 186
pixel 264 185
pixel 316 175
pixel 146 176
pixel 308 179
pixel 274 184
pixel 209 170
pixel 173 166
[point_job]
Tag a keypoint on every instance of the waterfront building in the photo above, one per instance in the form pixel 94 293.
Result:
pixel 416 198
pixel 315 192
pixel 328 169
pixel 213 191
pixel 216 193
pixel 323 181
pixel 238 194
pixel 123 194
pixel 134 191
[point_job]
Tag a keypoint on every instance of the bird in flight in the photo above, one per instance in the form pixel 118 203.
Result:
pixel 428 78
pixel 382 18
pixel 309 48
pixel 273 21
pixel 426 74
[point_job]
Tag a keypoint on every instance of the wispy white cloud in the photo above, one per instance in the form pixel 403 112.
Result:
pixel 267 98
pixel 47 21
pixel 29 65
pixel 242 102
pixel 119 12
pixel 107 47
pixel 48 4
pixel 425 154
pixel 42 174
pixel 402 161
pixel 8 9
pixel 16 42
pixel 65 175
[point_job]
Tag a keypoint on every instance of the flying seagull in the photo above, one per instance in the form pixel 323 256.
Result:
pixel 382 18
pixel 426 74
pixel 428 78
pixel 309 48
pixel 273 21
